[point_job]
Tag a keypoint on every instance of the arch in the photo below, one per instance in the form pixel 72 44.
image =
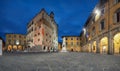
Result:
pixel 14 47
pixel 19 47
pixel 9 47
pixel 116 42
pixel 104 45
pixel 94 46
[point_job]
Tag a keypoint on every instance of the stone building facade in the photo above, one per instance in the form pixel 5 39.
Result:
pixel 71 43
pixel 42 33
pixel 15 42
pixel 101 32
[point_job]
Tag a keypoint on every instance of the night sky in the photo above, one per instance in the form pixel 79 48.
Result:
pixel 70 15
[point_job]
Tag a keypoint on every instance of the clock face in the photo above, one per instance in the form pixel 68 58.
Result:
pixel 17 42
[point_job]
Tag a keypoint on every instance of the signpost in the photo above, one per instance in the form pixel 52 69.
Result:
pixel 0 47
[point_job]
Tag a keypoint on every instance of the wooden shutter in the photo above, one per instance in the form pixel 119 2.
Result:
pixel 115 18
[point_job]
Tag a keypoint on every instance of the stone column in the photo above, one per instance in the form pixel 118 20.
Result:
pixel 112 46
pixel 110 43
pixel 97 45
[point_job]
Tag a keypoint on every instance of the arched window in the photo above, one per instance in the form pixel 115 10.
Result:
pixel 117 16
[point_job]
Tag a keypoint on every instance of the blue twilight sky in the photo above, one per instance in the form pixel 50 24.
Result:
pixel 70 15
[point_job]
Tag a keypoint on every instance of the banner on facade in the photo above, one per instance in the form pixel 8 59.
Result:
pixel 0 47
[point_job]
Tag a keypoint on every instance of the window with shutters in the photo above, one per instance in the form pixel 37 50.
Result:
pixel 102 25
pixel 116 18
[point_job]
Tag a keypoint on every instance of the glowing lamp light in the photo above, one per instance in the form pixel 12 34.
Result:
pixel 17 42
pixel 84 31
pixel 97 11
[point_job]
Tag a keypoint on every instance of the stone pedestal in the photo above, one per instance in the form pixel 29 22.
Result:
pixel 64 49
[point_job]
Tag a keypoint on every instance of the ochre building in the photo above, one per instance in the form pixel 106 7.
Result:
pixel 101 32
pixel 71 43
pixel 15 42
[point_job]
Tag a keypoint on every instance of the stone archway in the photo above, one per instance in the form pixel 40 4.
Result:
pixel 15 47
pixel 116 42
pixel 94 47
pixel 9 47
pixel 20 47
pixel 104 45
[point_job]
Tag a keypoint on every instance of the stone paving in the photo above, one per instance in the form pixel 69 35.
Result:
pixel 69 61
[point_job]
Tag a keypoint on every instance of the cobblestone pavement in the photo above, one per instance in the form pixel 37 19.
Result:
pixel 70 61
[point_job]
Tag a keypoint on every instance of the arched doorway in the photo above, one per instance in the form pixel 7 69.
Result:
pixel 14 47
pixel 104 45
pixel 94 47
pixel 19 47
pixel 9 48
pixel 117 43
